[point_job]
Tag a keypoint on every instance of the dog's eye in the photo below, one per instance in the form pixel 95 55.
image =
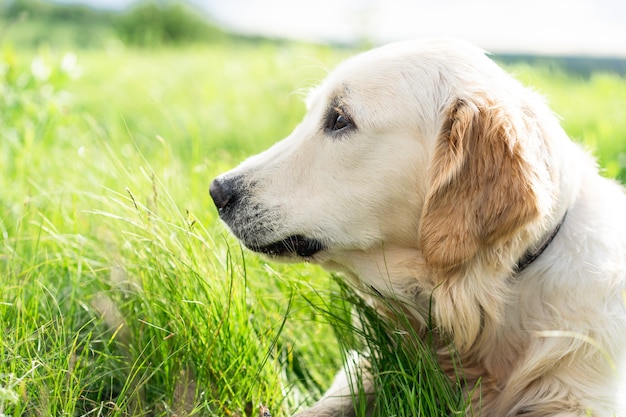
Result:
pixel 338 121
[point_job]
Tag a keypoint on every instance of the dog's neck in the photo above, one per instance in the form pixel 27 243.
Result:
pixel 532 254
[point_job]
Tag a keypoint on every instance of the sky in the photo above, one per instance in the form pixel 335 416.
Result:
pixel 555 27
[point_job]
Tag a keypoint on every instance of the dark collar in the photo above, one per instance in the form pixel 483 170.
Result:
pixel 530 255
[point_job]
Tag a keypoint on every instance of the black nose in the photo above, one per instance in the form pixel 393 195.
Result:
pixel 222 192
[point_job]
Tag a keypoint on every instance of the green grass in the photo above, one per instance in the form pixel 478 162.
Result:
pixel 593 111
pixel 122 294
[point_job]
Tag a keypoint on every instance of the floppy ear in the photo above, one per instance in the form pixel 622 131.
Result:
pixel 480 186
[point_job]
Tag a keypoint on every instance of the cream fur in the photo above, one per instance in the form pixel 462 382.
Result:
pixel 450 172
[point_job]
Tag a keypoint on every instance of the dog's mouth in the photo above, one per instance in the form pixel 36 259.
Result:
pixel 295 245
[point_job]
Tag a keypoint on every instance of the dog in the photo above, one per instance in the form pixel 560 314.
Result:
pixel 424 171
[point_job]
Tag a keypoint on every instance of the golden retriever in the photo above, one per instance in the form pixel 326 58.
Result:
pixel 426 172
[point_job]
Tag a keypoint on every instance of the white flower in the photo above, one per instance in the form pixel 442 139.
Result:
pixel 40 70
pixel 69 65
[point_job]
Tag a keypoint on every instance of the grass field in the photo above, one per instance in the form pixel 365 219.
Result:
pixel 121 293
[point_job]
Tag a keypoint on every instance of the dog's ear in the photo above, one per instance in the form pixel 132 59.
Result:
pixel 480 190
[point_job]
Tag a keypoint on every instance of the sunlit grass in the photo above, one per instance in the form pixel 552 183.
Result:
pixel 592 110
pixel 122 295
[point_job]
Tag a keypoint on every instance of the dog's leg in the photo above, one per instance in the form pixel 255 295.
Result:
pixel 352 392
pixel 551 397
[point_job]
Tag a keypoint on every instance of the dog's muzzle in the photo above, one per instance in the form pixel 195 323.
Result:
pixel 231 201
pixel 222 192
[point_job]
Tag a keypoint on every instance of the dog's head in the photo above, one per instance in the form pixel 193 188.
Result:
pixel 422 145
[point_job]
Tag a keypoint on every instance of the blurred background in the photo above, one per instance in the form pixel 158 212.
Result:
pixel 594 28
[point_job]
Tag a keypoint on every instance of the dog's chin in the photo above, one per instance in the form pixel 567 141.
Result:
pixel 292 248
